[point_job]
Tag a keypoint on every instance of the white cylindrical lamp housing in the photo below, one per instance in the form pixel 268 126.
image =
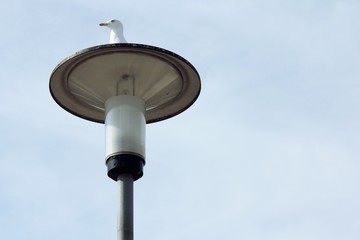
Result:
pixel 125 126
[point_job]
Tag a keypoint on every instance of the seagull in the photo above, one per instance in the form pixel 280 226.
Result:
pixel 116 34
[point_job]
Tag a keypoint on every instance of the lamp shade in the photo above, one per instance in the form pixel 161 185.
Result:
pixel 167 83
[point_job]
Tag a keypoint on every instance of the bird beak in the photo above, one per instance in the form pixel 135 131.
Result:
pixel 103 24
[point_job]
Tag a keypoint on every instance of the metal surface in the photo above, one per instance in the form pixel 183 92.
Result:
pixel 125 221
pixel 167 83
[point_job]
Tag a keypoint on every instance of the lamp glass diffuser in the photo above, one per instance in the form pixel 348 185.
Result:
pixel 125 126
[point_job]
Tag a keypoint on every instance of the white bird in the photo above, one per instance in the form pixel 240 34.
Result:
pixel 116 34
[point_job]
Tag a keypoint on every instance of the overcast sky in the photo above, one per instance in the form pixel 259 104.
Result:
pixel 270 150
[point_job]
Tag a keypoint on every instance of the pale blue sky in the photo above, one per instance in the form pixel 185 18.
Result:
pixel 270 150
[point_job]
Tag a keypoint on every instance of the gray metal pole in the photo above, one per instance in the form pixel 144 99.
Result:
pixel 125 226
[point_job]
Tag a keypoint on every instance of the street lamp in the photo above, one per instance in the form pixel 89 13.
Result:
pixel 125 86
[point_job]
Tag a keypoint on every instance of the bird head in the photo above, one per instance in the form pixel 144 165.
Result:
pixel 113 24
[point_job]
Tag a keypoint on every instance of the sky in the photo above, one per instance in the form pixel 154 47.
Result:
pixel 270 150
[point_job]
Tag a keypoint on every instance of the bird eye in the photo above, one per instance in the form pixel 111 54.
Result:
pixel 112 21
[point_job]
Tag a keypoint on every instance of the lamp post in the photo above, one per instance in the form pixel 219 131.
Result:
pixel 125 86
